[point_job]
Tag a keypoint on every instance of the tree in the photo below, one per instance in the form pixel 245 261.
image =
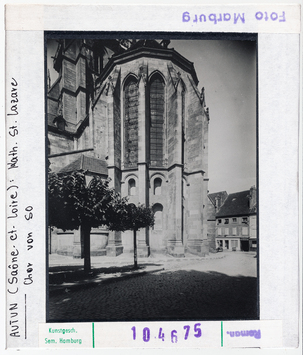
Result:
pixel 133 218
pixel 73 204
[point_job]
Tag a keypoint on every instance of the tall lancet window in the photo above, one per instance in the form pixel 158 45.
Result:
pixel 131 123
pixel 157 105
pixel 183 124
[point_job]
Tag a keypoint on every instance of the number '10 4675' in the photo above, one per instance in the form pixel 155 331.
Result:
pixel 173 334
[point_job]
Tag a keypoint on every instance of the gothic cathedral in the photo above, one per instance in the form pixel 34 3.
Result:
pixel 130 110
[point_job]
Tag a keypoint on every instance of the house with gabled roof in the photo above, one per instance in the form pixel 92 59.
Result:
pixel 236 222
pixel 214 202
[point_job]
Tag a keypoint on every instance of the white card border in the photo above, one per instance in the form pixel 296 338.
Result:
pixel 300 189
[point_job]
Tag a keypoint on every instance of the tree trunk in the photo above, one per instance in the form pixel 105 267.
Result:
pixel 85 236
pixel 135 250
pixel 50 240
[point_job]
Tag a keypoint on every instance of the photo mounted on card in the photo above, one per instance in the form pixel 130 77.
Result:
pixel 147 167
pixel 152 195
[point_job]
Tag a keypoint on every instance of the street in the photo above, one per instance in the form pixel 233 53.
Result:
pixel 206 289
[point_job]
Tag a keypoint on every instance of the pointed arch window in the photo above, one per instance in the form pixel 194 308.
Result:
pixel 131 123
pixel 183 125
pixel 157 110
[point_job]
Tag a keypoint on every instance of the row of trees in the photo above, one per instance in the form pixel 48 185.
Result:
pixel 73 203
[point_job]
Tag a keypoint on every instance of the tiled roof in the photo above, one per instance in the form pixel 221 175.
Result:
pixel 236 204
pixel 93 165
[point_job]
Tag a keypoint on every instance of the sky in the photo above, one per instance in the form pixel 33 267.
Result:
pixel 227 71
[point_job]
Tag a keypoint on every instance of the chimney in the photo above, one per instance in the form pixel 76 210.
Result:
pixel 252 197
pixel 218 202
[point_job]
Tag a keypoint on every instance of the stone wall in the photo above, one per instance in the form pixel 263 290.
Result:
pixel 100 129
pixel 211 224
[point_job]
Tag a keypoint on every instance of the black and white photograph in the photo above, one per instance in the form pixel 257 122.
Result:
pixel 152 177
pixel 152 202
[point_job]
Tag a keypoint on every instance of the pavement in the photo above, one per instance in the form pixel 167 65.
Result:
pixel 219 286
pixel 66 273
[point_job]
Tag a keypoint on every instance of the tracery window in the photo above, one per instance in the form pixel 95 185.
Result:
pixel 157 105
pixel 131 123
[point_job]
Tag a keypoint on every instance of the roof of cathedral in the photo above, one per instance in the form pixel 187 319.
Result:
pixel 236 204
pixel 92 165
pixel 151 49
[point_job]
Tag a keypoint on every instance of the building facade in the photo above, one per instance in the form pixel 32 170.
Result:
pixel 236 222
pixel 215 201
pixel 131 111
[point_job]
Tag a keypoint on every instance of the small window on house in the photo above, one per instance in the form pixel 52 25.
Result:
pixel 234 220
pixel 244 220
pixel 226 231
pixel 157 186
pixel 244 231
pixel 219 221
pixel 219 231
pixel 235 231
pixel 132 187
pixel 226 221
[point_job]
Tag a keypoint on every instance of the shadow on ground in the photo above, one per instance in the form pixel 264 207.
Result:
pixel 75 274
pixel 166 295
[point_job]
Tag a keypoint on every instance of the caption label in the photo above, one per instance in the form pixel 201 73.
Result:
pixel 20 268
pixel 66 335
pixel 205 334
pixel 235 18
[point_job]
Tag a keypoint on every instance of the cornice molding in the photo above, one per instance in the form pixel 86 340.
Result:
pixel 158 53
